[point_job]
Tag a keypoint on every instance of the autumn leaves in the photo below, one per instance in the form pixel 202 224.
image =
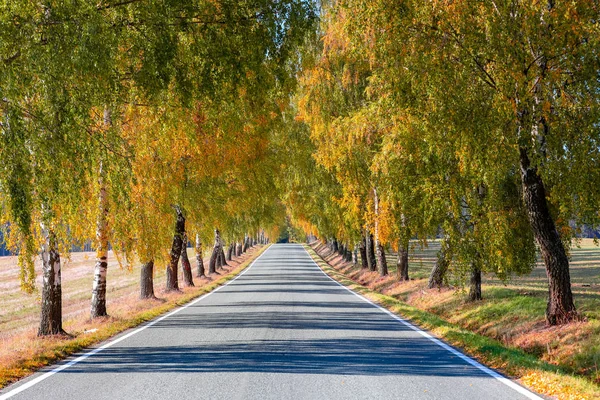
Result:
pixel 121 119
pixel 473 122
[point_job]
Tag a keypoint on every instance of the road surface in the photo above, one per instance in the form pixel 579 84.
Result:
pixel 281 330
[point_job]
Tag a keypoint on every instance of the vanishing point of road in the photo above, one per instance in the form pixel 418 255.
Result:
pixel 281 330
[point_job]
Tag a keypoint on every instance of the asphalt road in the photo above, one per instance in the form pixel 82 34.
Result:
pixel 281 330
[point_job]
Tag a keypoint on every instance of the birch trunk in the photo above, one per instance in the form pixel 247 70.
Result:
pixel 98 306
pixel 230 251
pixel 199 262
pixel 51 312
pixel 438 272
pixel 186 266
pixel 475 284
pixel 222 260
pixel 362 248
pixel 402 263
pixel 560 308
pixel 172 279
pixel 371 253
pixel 246 243
pixel 214 257
pixel 147 280
pixel 381 261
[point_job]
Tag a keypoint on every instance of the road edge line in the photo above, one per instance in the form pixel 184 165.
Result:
pixel 111 343
pixel 494 374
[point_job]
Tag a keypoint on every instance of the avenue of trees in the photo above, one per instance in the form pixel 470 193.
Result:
pixel 476 122
pixel 143 126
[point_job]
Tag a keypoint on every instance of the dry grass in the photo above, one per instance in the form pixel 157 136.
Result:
pixel 22 352
pixel 511 313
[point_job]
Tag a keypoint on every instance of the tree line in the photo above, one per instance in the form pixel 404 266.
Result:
pixel 142 126
pixel 476 122
pixel 148 125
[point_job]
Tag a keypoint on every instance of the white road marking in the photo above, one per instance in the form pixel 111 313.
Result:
pixel 62 367
pixel 443 345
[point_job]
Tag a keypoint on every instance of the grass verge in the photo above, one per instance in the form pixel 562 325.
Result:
pixel 55 348
pixel 529 370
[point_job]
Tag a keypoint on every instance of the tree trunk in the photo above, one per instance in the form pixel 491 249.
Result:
pixel 438 273
pixel 371 253
pixel 381 261
pixel 51 313
pixel 362 248
pixel 347 254
pixel 334 245
pixel 475 284
pixel 238 249
pixel 212 263
pixel 98 305
pixel 402 263
pixel 246 244
pixel 355 256
pixel 222 260
pixel 172 283
pixel 199 262
pixel 230 251
pixel 560 308
pixel 185 263
pixel 147 280
pixel 214 257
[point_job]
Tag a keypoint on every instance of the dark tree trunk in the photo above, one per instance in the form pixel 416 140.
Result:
pixel 199 262
pixel 212 263
pixel 51 313
pixel 334 246
pixel 185 263
pixel 438 273
pixel 238 249
pixel 215 257
pixel 475 284
pixel 147 280
pixel 222 259
pixel 381 260
pixel 347 254
pixel 219 260
pixel 246 244
pixel 355 256
pixel 560 308
pixel 362 248
pixel 371 253
pixel 402 263
pixel 172 283
pixel 230 251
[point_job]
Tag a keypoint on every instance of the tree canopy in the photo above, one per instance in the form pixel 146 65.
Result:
pixel 356 121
